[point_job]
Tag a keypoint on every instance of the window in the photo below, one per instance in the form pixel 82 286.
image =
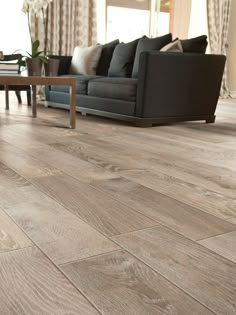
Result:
pixel 130 19
pixel 14 31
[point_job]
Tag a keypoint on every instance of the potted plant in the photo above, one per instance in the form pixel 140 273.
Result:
pixel 34 60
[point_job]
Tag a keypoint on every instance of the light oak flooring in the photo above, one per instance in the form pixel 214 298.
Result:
pixel 116 220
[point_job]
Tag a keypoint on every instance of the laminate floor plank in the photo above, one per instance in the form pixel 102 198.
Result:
pixel 204 275
pixel 165 210
pixel 121 210
pixel 26 136
pixel 232 220
pixel 58 232
pixel 223 245
pixel 201 174
pixel 117 283
pixel 93 206
pixel 25 165
pixel 166 146
pixel 9 179
pixel 163 161
pixel 104 158
pixel 39 287
pixel 197 131
pixel 72 165
pixel 11 236
pixel 167 157
pixel 211 202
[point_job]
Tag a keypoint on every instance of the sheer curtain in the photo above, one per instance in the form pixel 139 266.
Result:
pixel 218 12
pixel 181 18
pixel 198 13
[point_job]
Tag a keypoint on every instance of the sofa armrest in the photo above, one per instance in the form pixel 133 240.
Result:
pixel 64 64
pixel 176 84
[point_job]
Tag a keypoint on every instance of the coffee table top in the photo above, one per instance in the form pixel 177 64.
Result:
pixel 19 79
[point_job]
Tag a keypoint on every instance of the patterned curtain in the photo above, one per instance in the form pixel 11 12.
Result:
pixel 69 23
pixel 218 12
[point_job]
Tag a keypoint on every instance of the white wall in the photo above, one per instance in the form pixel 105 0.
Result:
pixel 14 31
pixel 232 50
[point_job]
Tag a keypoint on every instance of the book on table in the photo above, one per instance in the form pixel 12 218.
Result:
pixel 9 66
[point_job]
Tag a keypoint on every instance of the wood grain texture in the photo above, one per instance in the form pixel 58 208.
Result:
pixel 9 179
pixel 25 165
pixel 72 165
pixel 186 169
pixel 200 174
pixel 103 155
pixel 39 287
pixel 223 245
pixel 25 136
pixel 212 202
pixel 11 236
pixel 117 283
pixel 95 207
pixel 165 210
pixel 21 195
pixel 58 232
pixel 232 220
pixel 169 158
pixel 207 277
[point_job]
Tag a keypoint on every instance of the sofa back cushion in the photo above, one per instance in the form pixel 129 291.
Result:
pixel 85 60
pixel 122 60
pixel 195 45
pixel 105 59
pixel 147 44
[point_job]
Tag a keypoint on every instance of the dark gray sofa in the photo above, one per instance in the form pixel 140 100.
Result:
pixel 170 87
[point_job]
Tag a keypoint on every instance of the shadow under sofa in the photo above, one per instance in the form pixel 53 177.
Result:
pixel 170 87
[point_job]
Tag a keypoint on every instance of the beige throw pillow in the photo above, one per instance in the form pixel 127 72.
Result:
pixel 85 60
pixel 174 46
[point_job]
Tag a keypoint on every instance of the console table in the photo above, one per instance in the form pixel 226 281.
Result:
pixel 8 80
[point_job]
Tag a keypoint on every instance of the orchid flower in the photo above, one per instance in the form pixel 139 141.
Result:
pixel 38 7
pixel 35 6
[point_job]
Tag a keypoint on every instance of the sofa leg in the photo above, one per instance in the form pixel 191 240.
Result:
pixel 83 114
pixel 211 120
pixel 143 123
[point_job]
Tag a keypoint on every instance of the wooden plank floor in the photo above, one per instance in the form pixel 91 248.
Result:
pixel 116 220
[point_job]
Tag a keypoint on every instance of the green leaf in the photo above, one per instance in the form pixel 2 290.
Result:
pixel 44 59
pixel 35 47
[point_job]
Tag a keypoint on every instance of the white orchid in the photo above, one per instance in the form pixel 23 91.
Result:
pixel 39 8
pixel 35 6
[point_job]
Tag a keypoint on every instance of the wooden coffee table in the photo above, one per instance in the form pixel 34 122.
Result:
pixel 8 80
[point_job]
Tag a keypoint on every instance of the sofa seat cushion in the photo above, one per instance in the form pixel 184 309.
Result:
pixel 81 84
pixel 115 88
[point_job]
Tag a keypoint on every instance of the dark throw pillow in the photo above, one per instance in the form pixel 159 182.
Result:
pixel 105 59
pixel 195 45
pixel 122 60
pixel 147 44
pixel 64 64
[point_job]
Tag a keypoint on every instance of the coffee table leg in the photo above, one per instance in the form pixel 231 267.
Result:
pixel 34 105
pixel 72 106
pixel 6 96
